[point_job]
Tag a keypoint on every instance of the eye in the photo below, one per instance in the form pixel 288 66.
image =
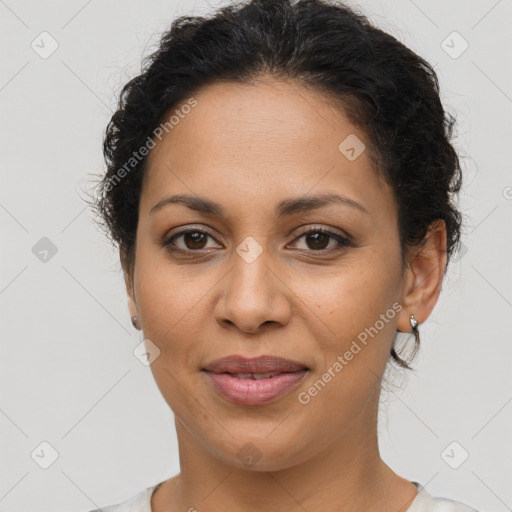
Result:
pixel 318 240
pixel 193 240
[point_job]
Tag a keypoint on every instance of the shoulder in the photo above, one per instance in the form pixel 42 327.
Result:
pixel 448 505
pixel 424 502
pixel 140 502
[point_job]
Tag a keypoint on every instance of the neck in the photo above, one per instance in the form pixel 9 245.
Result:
pixel 345 475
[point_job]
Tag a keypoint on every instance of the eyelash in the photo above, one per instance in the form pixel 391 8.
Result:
pixel 342 240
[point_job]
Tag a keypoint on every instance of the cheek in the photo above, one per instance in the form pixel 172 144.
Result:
pixel 358 307
pixel 170 307
pixel 169 302
pixel 355 352
pixel 352 296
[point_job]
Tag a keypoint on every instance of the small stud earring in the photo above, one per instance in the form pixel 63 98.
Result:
pixel 134 322
pixel 414 323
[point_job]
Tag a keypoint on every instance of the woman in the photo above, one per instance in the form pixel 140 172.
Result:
pixel 281 187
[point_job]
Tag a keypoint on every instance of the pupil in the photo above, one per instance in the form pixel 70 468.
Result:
pixel 195 238
pixel 315 237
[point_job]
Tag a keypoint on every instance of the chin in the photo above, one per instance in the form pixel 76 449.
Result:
pixel 254 451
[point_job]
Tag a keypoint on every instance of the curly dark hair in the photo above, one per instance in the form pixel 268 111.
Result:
pixel 382 87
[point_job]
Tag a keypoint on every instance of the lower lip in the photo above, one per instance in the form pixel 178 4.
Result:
pixel 252 391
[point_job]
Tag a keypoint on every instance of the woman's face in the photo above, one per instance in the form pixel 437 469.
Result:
pixel 260 279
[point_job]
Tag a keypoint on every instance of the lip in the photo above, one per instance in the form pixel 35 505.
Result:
pixel 261 364
pixel 250 391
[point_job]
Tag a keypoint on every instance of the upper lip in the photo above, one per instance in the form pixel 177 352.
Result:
pixel 260 364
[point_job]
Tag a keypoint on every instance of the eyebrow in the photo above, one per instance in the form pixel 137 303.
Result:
pixel 283 209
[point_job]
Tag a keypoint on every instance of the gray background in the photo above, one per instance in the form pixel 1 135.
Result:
pixel 68 375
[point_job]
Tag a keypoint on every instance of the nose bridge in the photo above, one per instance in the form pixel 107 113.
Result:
pixel 249 281
pixel 252 294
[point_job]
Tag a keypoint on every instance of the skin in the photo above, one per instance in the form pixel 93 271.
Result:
pixel 248 147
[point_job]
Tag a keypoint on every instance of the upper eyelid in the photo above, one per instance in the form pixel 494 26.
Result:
pixel 190 230
pixel 319 227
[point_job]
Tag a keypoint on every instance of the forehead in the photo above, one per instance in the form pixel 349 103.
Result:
pixel 263 140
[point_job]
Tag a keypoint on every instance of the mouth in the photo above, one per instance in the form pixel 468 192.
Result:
pixel 254 381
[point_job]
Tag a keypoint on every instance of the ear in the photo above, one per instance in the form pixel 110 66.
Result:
pixel 424 275
pixel 128 281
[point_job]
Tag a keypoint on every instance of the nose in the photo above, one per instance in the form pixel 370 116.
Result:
pixel 254 295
